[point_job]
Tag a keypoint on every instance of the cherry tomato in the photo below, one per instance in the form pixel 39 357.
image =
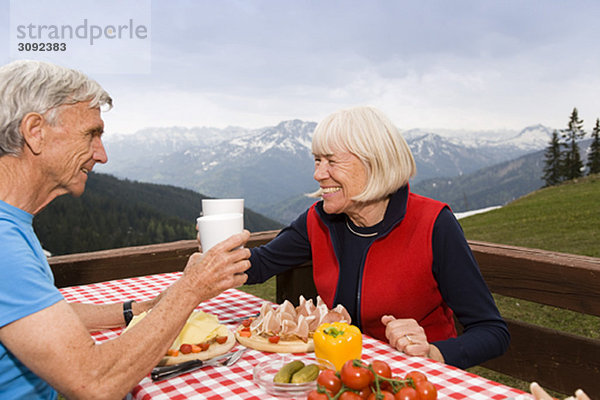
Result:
pixel 204 346
pixel 172 352
pixel 348 395
pixel 274 339
pixel 365 392
pixel 426 390
pixel 314 395
pixel 416 376
pixel 185 348
pixel 382 369
pixel 245 332
pixel 407 393
pixel 355 377
pixel 329 380
pixel 221 339
pixel 247 322
pixel 386 396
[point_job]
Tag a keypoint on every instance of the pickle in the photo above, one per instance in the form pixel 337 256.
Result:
pixel 284 375
pixel 307 374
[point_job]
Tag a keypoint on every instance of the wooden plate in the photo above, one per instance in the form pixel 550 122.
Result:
pixel 214 350
pixel 283 346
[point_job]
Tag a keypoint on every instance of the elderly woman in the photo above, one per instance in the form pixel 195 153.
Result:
pixel 397 261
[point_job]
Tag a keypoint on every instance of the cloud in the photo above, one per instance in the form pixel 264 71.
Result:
pixel 452 64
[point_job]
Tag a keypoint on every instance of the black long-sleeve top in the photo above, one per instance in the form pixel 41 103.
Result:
pixel 461 285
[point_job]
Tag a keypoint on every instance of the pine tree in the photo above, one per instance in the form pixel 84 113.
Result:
pixel 572 161
pixel 593 162
pixel 553 168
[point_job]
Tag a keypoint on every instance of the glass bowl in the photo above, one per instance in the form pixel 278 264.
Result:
pixel 265 371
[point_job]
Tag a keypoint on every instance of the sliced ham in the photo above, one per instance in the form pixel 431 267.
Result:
pixel 287 307
pixel 332 316
pixel 272 323
pixel 345 316
pixel 257 325
pixel 284 316
pixel 305 307
pixel 288 327
pixel 302 330
pixel 300 321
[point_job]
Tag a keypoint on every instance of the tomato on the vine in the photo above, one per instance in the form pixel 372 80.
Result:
pixel 348 395
pixel 416 376
pixel 365 392
pixel 386 396
pixel 315 395
pixel 382 369
pixel 407 393
pixel 355 377
pixel 329 380
pixel 426 390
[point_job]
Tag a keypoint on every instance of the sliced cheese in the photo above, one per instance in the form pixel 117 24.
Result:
pixel 200 327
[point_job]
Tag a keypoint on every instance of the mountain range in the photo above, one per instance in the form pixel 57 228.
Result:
pixel 272 167
pixel 491 186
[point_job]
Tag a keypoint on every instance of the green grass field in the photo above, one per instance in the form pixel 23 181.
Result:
pixel 563 218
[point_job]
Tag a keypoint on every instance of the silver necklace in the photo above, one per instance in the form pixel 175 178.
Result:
pixel 365 235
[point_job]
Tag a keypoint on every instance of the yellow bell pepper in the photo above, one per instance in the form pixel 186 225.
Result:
pixel 338 342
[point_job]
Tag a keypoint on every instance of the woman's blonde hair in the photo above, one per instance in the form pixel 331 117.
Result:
pixel 368 134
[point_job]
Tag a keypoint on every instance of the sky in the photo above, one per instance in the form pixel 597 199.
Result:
pixel 445 64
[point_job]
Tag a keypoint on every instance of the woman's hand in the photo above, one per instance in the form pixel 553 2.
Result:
pixel 407 336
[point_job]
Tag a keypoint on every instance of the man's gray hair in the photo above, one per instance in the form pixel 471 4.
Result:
pixel 35 86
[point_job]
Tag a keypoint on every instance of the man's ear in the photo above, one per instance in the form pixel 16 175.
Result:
pixel 31 129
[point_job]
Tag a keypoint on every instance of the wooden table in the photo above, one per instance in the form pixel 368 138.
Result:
pixel 236 382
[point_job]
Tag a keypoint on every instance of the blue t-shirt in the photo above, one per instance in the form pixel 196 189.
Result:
pixel 26 287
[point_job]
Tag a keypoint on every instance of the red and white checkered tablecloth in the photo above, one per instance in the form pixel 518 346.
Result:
pixel 236 382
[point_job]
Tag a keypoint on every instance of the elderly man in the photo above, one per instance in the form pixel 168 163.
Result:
pixel 50 139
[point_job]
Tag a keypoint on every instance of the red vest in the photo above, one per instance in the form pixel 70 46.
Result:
pixel 396 277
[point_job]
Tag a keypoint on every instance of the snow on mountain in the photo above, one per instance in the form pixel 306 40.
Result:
pixel 532 138
pixel 153 141
pixel 449 155
pixel 290 136
pixel 271 165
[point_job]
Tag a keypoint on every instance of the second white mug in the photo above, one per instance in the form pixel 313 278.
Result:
pixel 214 229
pixel 222 206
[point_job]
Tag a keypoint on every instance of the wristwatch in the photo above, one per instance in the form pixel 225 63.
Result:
pixel 127 311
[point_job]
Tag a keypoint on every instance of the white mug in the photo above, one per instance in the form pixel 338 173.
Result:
pixel 214 229
pixel 222 206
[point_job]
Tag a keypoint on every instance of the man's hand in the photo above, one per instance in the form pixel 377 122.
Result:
pixel 220 268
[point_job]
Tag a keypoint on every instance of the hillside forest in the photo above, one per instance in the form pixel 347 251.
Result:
pixel 115 213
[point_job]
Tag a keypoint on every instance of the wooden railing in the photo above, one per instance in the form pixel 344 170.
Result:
pixel 557 360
